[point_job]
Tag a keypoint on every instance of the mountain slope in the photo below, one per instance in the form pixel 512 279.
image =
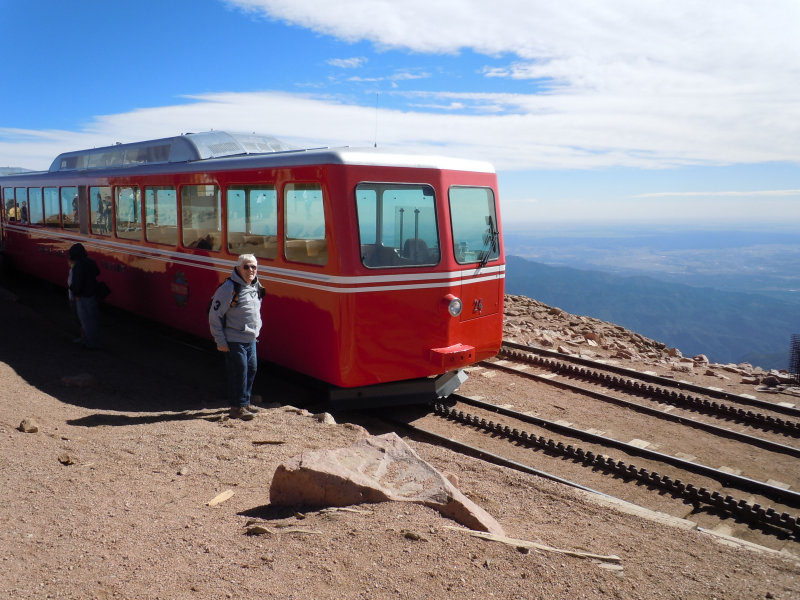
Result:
pixel 728 327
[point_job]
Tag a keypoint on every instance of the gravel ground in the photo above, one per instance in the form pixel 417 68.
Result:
pixel 110 498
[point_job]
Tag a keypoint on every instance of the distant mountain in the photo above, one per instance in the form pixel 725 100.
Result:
pixel 728 327
pixel 12 170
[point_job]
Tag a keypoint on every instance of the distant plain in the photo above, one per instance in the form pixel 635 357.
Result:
pixel 741 302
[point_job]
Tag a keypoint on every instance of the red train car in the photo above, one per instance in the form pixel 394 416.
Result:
pixel 379 267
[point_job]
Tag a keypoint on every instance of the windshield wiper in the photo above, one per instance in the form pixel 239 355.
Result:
pixel 490 239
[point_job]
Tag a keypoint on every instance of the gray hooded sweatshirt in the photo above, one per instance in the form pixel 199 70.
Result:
pixel 240 323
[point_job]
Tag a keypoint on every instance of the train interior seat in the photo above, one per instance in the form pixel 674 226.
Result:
pixel 202 238
pixel 264 246
pixel 313 251
pixel 416 251
pixel 378 255
pixel 162 234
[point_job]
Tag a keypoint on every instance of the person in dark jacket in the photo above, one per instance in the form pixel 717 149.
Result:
pixel 83 290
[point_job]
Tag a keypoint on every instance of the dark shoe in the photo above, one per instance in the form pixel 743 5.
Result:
pixel 240 412
pixel 252 408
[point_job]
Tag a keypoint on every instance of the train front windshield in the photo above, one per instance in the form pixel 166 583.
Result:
pixel 397 225
pixel 475 234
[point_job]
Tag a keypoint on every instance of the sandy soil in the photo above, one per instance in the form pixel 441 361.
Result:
pixel 110 497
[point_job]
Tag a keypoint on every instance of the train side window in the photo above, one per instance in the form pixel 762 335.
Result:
pixel 22 204
pixel 397 225
pixel 253 220
pixel 69 208
pixel 11 205
pixel 35 213
pixel 201 220
pixel 52 208
pixel 100 210
pixel 305 239
pixel 474 219
pixel 161 215
pixel 127 207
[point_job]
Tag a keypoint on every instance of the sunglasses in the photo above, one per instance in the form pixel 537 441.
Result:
pixel 250 267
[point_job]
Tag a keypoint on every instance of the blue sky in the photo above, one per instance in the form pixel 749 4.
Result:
pixel 621 111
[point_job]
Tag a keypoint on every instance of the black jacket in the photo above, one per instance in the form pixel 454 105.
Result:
pixel 84 273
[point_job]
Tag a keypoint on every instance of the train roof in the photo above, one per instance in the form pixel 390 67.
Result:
pixel 182 148
pixel 219 151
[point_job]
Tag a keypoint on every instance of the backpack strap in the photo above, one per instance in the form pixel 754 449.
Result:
pixel 237 287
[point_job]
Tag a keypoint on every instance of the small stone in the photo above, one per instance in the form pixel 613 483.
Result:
pixel 770 381
pixel 325 418
pixel 65 459
pixel 28 426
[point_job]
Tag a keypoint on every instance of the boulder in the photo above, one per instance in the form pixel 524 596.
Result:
pixel 375 469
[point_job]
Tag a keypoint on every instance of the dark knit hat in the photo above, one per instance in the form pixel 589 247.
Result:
pixel 77 252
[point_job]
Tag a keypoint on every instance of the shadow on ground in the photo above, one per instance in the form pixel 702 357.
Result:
pixel 143 367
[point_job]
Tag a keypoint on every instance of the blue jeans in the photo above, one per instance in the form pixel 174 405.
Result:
pixel 88 315
pixel 241 364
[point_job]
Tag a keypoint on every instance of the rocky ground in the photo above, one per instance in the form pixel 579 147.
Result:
pixel 114 495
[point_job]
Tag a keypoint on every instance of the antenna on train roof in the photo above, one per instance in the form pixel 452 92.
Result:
pixel 377 96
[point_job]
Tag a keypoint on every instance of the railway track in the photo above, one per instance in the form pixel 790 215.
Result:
pixel 662 389
pixel 656 412
pixel 737 498
pixel 773 512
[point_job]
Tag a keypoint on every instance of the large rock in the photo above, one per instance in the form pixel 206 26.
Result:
pixel 374 469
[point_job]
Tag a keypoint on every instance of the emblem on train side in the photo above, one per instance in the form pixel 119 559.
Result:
pixel 180 288
pixel 477 305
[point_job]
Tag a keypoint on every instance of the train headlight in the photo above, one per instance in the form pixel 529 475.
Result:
pixel 454 305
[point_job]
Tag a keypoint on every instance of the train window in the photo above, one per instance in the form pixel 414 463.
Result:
pixel 100 210
pixel 35 206
pixel 69 208
pixel 475 235
pixel 52 208
pixel 304 215
pixel 11 205
pixel 200 217
pixel 112 158
pixel 253 220
pixel 161 215
pixel 22 204
pixel 127 207
pixel 397 225
pixel 147 154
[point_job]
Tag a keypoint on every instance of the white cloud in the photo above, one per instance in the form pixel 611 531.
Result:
pixel 652 84
pixel 348 63
pixel 730 194
pixel 657 83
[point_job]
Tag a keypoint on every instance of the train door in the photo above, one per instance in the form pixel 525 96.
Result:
pixel 83 209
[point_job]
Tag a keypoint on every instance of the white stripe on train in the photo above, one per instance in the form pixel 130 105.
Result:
pixel 278 275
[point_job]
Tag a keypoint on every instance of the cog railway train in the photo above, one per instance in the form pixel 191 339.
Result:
pixel 379 267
